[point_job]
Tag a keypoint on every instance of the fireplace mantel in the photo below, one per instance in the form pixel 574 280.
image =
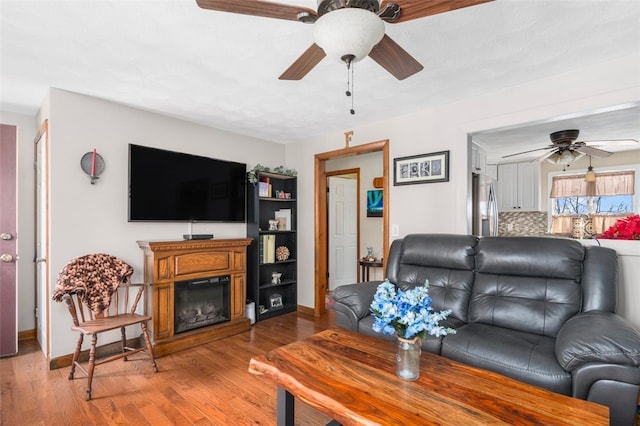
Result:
pixel 168 262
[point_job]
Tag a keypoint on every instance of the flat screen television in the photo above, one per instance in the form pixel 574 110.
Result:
pixel 177 187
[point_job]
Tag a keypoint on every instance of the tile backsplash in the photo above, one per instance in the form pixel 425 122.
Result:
pixel 522 224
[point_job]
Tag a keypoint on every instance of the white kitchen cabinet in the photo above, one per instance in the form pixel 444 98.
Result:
pixel 492 171
pixel 478 159
pixel 518 186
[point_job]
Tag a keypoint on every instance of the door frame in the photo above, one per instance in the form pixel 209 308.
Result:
pixel 320 222
pixel 338 173
pixel 42 290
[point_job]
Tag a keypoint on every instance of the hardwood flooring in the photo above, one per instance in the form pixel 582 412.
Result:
pixel 206 385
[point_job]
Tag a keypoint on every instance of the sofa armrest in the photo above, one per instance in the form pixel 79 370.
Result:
pixel 614 385
pixel 597 336
pixel 354 300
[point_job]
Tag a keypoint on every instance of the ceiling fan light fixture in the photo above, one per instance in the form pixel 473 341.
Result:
pixel 554 158
pixel 590 176
pixel 348 31
pixel 565 157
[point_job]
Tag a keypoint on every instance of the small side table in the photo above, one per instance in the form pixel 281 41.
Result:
pixel 366 265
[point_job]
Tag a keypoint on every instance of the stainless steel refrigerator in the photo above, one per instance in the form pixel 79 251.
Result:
pixel 485 206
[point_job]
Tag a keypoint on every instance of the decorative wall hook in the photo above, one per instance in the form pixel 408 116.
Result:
pixel 92 164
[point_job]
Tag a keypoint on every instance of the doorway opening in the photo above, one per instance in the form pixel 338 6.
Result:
pixel 321 219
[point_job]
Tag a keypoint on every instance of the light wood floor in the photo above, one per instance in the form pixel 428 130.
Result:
pixel 205 385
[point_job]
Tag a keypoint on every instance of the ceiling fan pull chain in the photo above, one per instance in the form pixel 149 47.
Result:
pixel 348 59
pixel 348 92
pixel 353 90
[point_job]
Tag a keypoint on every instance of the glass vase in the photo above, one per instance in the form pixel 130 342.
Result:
pixel 408 358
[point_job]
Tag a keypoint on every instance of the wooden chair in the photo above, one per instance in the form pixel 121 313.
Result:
pixel 96 289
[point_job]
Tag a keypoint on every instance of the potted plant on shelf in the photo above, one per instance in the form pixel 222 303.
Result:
pixel 252 175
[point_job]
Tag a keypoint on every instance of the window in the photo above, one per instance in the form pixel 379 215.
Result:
pixel 604 204
pixel 606 200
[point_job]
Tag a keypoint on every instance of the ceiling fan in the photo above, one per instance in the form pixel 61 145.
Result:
pixel 565 148
pixel 348 30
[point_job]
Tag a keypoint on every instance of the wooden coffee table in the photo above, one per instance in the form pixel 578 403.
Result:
pixel 351 378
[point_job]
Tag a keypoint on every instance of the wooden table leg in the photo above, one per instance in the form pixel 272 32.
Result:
pixel 286 404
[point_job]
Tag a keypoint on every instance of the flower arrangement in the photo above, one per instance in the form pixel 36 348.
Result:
pixel 408 314
pixel 627 228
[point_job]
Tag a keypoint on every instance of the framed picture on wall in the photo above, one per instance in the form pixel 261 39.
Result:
pixel 374 203
pixel 423 168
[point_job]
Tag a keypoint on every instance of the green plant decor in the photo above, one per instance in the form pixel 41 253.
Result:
pixel 252 175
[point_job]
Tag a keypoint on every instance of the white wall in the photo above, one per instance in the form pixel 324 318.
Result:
pixel 628 272
pixel 443 207
pixel 27 130
pixel 89 218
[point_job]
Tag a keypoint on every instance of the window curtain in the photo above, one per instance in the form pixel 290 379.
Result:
pixel 563 223
pixel 607 183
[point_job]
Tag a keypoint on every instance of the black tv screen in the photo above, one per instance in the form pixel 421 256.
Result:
pixel 173 186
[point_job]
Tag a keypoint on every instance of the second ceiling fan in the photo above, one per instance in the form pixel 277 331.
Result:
pixel 337 21
pixel 565 147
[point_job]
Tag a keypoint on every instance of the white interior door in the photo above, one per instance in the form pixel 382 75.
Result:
pixel 42 232
pixel 343 231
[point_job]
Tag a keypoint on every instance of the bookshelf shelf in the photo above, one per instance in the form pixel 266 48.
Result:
pixel 262 263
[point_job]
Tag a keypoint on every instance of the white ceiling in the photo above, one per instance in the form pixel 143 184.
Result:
pixel 221 69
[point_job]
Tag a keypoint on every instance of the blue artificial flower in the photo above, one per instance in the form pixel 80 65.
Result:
pixel 407 313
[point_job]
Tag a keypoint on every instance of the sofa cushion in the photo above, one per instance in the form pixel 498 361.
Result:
pixel 439 250
pixel 530 257
pixel 448 289
pixel 527 284
pixel 528 304
pixel 526 357
pixel 447 261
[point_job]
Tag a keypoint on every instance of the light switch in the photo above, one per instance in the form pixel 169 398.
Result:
pixel 395 230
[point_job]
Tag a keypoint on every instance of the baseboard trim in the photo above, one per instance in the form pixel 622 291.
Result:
pixel 26 335
pixel 306 310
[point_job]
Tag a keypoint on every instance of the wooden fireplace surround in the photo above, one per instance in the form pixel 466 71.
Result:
pixel 168 262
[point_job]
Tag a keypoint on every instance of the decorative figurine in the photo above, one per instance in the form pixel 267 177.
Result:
pixel 370 254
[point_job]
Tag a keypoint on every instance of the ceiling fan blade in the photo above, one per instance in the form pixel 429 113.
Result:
pixel 546 155
pixel 414 9
pixel 257 8
pixel 393 58
pixel 595 152
pixel 612 142
pixel 305 63
pixel 526 152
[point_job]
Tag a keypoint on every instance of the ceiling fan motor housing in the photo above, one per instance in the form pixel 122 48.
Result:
pixel 326 6
pixel 564 136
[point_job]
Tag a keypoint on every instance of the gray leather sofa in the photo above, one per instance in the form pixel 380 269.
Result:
pixel 540 310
